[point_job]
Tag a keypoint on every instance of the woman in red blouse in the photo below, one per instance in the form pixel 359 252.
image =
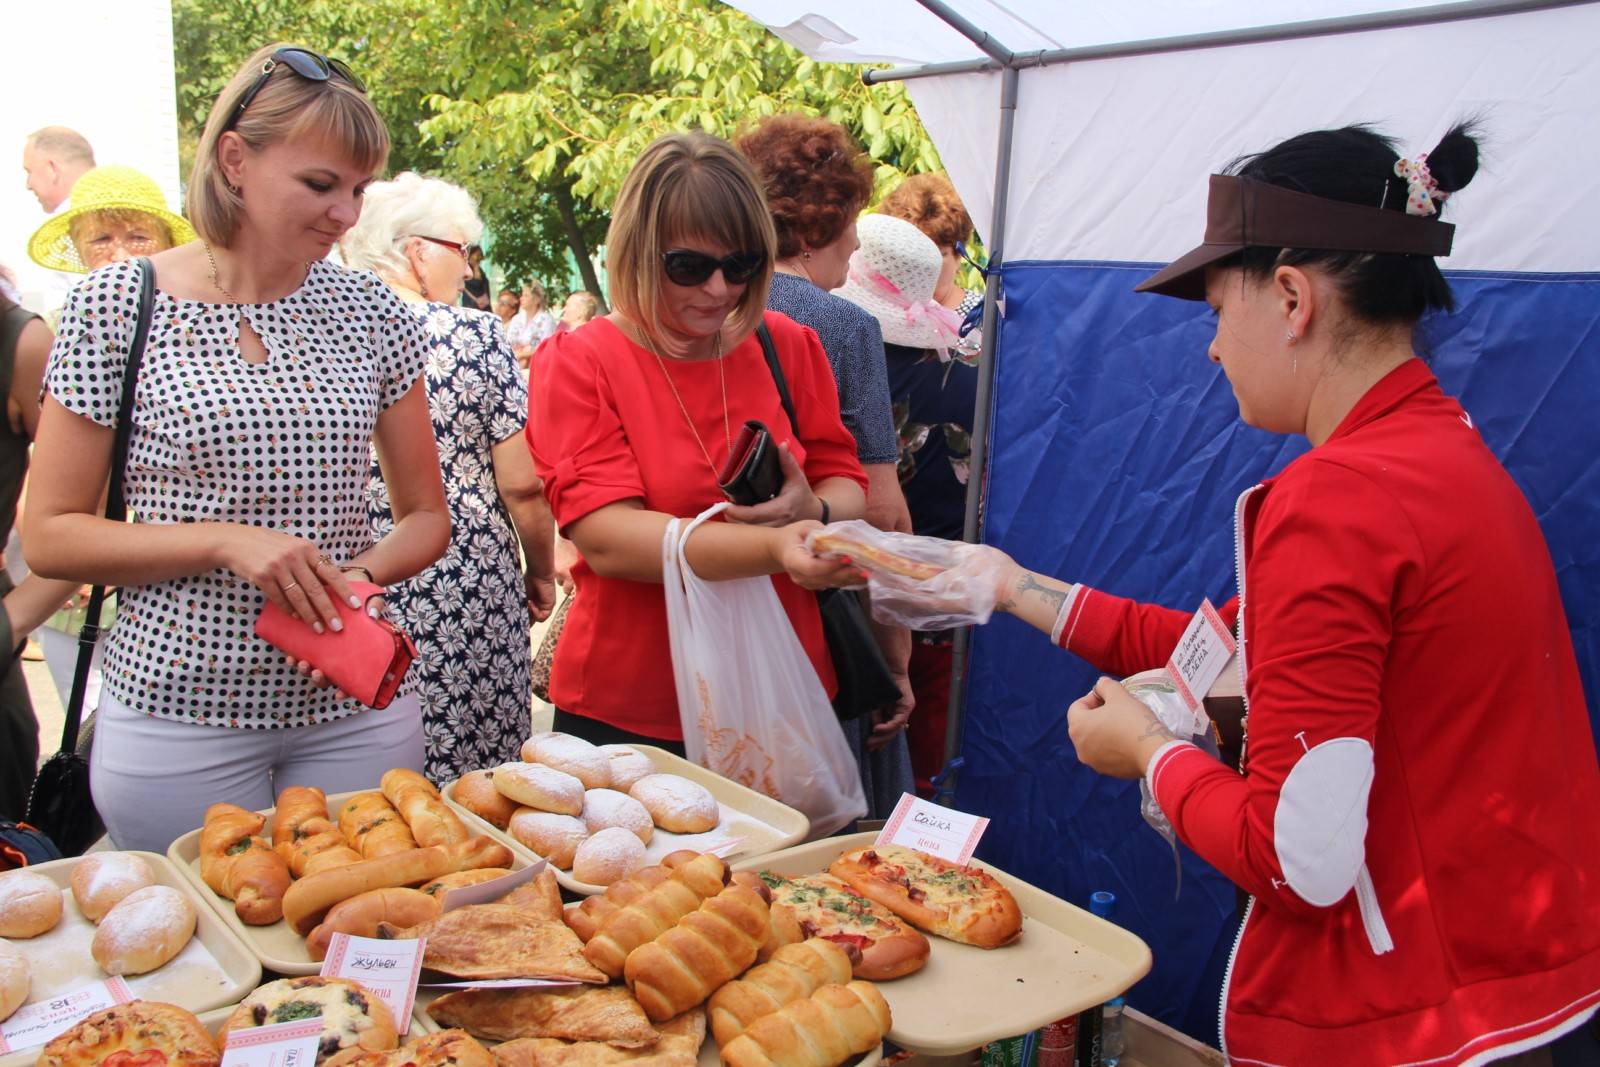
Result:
pixel 632 416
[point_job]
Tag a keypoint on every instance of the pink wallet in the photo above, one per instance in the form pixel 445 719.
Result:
pixel 367 659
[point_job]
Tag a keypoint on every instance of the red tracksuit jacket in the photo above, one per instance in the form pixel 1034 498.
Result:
pixel 1419 818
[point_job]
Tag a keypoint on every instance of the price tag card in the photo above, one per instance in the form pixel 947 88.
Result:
pixel 389 969
pixel 938 831
pixel 492 890
pixel 276 1045
pixel 1201 653
pixel 38 1023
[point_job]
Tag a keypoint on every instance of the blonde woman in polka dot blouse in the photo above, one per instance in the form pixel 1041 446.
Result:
pixel 268 376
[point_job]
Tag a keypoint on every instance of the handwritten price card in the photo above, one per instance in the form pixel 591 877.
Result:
pixel 38 1023
pixel 390 969
pixel 1202 652
pixel 277 1045
pixel 938 831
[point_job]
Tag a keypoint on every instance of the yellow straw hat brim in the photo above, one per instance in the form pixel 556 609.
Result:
pixel 109 188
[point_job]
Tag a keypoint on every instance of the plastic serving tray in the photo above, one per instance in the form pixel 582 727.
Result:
pixel 1066 960
pixel 278 947
pixel 760 823
pixel 215 969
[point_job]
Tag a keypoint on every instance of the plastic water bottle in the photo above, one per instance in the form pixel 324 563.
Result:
pixel 1111 1043
pixel 1100 1041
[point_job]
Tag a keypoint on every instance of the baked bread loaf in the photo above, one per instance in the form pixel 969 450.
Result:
pixel 823 1030
pixel 654 912
pixel 605 808
pixel 539 787
pixel 307 902
pixel 819 905
pixel 499 941
pixel 239 865
pixel 447 1048
pixel 100 879
pixel 461 879
pixel 303 834
pixel 145 1033
pixel 554 837
pixel 475 791
pixel 374 827
pixel 16 978
pixel 146 929
pixel 708 948
pixel 30 904
pixel 425 812
pixel 571 754
pixel 610 855
pixel 676 804
pixel 361 914
pixel 873 557
pixel 794 973
pixel 966 904
pixel 476 853
pixel 600 1013
pixel 585 917
pixel 783 927
pixel 679 1046
pixel 352 1018
pixel 628 765
pixel 540 898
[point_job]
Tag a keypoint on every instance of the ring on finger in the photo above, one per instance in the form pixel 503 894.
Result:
pixel 324 559
pixel 291 585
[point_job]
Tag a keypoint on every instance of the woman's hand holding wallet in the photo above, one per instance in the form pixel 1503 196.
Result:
pixel 296 576
pixel 795 500
pixel 365 657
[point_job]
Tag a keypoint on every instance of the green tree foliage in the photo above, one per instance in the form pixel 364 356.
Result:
pixel 540 109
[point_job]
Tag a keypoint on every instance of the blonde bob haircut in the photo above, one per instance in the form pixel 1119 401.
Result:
pixel 687 187
pixel 287 107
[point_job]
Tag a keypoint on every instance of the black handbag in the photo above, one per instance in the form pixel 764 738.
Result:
pixel 60 804
pixel 865 681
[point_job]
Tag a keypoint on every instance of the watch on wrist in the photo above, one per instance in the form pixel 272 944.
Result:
pixel 825 510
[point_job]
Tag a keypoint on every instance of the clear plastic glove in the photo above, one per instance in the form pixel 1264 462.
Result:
pixel 925 583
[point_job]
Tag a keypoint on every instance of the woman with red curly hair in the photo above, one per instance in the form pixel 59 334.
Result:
pixel 817 181
pixel 931 204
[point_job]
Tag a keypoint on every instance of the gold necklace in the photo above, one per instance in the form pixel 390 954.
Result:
pixel 727 431
pixel 218 282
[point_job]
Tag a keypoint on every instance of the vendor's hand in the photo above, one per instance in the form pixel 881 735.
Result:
pixel 567 557
pixel 292 572
pixel 541 596
pixel 795 501
pixel 1114 732
pixel 807 569
pixel 890 721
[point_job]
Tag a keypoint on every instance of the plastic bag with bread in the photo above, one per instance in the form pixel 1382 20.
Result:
pixel 823 1030
pixel 925 583
pixel 238 864
pixel 303 834
pixel 654 912
pixel 708 948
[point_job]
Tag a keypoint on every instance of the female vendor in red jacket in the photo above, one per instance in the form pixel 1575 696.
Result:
pixel 1416 818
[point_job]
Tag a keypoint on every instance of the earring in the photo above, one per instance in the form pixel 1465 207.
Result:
pixel 232 188
pixel 1290 337
pixel 806 256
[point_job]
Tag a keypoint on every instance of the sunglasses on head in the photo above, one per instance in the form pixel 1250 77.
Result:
pixel 308 64
pixel 685 267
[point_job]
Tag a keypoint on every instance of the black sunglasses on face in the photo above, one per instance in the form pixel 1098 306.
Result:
pixel 308 64
pixel 685 267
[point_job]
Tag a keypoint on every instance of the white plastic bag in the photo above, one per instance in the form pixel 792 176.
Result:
pixel 1156 691
pixel 753 709
pixel 924 583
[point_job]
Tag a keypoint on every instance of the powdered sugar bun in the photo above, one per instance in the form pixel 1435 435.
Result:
pixel 677 804
pixel 608 856
pixel 15 979
pixel 146 929
pixel 628 765
pixel 101 879
pixel 555 837
pixel 541 787
pixel 571 754
pixel 30 904
pixel 604 808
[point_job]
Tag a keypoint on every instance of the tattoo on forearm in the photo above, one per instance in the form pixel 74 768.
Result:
pixel 1157 729
pixel 1051 596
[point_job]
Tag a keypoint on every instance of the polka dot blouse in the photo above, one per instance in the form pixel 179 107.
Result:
pixel 281 444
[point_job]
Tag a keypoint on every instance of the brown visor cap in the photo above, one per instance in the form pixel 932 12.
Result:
pixel 1242 213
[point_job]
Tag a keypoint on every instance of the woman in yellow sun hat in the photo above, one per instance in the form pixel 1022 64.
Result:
pixel 117 213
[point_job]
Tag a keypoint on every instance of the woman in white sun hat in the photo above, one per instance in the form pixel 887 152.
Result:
pixel 893 276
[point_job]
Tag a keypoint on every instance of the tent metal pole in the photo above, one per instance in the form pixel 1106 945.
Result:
pixel 978 465
pixel 972 32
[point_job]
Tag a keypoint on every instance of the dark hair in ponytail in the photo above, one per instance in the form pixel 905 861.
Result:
pixel 1356 164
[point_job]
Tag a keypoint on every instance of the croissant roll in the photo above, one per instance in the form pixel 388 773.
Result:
pixel 425 812
pixel 374 827
pixel 794 973
pixel 827 1028
pixel 587 918
pixel 655 912
pixel 241 866
pixel 303 835
pixel 708 948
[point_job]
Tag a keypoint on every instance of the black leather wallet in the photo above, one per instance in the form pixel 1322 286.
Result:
pixel 753 474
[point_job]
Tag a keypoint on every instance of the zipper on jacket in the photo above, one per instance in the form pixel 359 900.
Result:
pixel 1372 914
pixel 1227 980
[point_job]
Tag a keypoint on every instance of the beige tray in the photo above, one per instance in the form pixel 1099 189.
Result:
pixel 708 1051
pixel 214 969
pixel 1065 961
pixel 762 824
pixel 278 947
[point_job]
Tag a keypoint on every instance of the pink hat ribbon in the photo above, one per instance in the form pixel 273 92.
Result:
pixel 1422 191
pixel 945 323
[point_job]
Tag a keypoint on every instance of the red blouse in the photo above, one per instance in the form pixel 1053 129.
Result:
pixel 603 426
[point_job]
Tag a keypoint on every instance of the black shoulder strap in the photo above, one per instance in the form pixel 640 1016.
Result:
pixel 770 351
pixel 116 505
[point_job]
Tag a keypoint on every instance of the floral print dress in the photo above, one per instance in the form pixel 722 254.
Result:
pixel 468 613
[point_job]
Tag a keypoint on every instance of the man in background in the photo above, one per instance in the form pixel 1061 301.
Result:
pixel 55 158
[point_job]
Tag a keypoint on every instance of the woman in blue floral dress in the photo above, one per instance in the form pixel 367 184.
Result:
pixel 469 613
